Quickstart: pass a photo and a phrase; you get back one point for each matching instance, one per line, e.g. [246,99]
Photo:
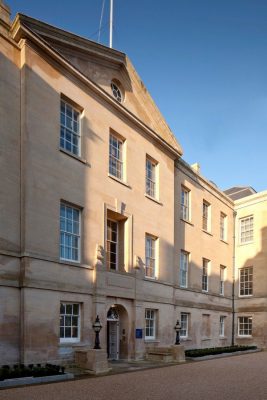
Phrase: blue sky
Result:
[204,63]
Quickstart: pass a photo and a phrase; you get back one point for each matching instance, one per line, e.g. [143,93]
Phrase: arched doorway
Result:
[117,332]
[113,333]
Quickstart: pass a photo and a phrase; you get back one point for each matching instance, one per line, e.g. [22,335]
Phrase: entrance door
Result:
[113,340]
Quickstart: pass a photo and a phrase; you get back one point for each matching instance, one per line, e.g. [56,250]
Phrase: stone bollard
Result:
[178,353]
[95,361]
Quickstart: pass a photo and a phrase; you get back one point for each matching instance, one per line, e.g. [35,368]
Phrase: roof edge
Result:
[214,187]
[21,31]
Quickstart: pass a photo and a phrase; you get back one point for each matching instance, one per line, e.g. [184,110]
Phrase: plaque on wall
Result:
[138,333]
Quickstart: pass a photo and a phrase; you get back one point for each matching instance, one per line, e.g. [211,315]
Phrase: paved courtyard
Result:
[239,377]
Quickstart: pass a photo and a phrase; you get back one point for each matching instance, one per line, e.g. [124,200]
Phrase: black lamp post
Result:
[177,329]
[97,328]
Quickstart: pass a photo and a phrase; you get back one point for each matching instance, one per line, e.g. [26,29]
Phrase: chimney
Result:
[196,167]
[5,22]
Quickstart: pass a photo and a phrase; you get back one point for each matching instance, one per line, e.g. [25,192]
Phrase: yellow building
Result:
[250,266]
[99,214]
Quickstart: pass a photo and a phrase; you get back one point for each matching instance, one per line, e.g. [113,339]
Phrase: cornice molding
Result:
[71,40]
[19,31]
[192,174]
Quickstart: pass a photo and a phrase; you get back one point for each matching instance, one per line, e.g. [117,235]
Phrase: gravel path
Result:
[240,377]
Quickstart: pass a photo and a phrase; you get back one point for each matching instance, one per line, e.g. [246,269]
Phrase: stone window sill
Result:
[78,158]
[119,181]
[186,339]
[152,341]
[207,232]
[68,344]
[245,337]
[187,222]
[119,272]
[151,279]
[75,264]
[153,199]
[245,244]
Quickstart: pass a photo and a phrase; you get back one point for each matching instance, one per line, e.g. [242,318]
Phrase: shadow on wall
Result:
[35,230]
[9,207]
[203,307]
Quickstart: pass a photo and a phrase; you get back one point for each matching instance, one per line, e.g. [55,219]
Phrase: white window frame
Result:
[222,326]
[109,241]
[222,279]
[70,127]
[70,234]
[185,203]
[184,325]
[184,264]
[116,91]
[116,156]
[245,324]
[77,326]
[151,178]
[206,216]
[150,323]
[246,281]
[246,229]
[151,244]
[205,274]
[223,227]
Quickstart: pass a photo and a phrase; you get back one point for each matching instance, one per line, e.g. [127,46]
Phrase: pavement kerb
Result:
[140,365]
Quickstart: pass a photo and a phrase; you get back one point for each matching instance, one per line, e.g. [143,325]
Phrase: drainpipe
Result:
[233,282]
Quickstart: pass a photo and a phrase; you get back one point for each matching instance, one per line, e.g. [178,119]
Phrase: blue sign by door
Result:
[138,333]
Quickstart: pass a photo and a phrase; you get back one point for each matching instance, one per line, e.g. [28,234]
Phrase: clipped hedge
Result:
[22,371]
[217,350]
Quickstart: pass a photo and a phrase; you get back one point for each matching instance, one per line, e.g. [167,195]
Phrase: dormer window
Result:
[117,92]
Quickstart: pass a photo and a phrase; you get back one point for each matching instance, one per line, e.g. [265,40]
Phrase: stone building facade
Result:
[250,271]
[100,215]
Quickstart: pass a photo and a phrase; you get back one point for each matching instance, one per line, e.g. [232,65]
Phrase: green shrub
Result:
[20,371]
[217,350]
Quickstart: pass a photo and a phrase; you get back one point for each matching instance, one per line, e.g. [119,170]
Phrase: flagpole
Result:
[111,24]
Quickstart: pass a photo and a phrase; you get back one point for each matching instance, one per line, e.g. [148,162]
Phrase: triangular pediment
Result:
[103,65]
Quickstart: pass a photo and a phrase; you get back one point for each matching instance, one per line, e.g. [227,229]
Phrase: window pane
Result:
[246,229]
[62,107]
[69,309]
[70,128]
[69,321]
[150,324]
[115,157]
[74,332]
[150,178]
[150,256]
[68,332]
[246,281]
[112,244]
[62,308]
[69,233]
